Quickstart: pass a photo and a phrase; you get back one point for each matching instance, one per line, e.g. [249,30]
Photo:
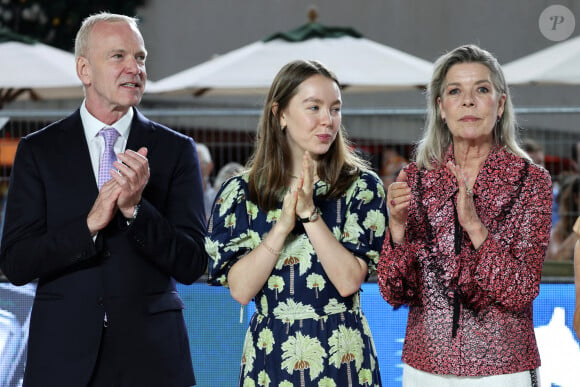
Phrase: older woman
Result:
[563,239]
[469,225]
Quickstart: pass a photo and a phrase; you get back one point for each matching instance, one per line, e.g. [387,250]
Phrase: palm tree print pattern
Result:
[304,333]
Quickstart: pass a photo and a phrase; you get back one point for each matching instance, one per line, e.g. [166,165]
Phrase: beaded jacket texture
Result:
[470,311]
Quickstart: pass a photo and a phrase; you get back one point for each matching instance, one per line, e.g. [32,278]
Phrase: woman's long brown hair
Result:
[270,164]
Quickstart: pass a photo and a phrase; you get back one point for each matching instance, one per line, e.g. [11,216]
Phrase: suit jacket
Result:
[129,272]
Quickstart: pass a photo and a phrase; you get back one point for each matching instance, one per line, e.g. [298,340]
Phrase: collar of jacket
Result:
[497,182]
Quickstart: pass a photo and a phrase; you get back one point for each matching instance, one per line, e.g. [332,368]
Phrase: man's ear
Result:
[84,70]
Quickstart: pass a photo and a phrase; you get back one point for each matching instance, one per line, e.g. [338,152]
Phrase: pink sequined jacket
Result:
[470,311]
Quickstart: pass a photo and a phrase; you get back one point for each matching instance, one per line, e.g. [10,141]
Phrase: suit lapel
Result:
[142,133]
[73,150]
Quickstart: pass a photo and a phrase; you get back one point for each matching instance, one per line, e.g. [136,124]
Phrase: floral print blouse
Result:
[470,311]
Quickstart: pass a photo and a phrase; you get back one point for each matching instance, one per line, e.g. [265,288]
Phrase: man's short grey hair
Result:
[230,169]
[204,154]
[84,33]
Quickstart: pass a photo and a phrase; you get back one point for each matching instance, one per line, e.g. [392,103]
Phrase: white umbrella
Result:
[35,70]
[360,64]
[557,64]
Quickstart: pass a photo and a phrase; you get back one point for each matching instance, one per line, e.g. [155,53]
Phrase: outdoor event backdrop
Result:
[216,334]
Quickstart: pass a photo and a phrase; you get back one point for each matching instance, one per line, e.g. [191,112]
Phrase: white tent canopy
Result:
[557,64]
[36,66]
[360,65]
[36,70]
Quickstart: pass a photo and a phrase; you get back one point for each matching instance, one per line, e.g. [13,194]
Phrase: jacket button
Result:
[107,253]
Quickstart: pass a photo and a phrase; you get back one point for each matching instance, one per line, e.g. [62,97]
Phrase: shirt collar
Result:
[92,125]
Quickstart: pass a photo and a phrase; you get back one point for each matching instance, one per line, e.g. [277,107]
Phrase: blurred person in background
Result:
[206,165]
[576,156]
[468,229]
[299,232]
[391,164]
[229,170]
[535,151]
[563,239]
[104,211]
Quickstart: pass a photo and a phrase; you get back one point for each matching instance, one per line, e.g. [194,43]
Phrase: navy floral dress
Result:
[303,332]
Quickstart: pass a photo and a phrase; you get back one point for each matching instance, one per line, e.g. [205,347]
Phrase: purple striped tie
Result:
[110,135]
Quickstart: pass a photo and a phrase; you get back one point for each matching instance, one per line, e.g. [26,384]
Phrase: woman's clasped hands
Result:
[298,201]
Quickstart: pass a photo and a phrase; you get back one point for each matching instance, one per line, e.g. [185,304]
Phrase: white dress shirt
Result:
[96,142]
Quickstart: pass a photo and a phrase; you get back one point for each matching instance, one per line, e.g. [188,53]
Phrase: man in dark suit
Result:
[106,311]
